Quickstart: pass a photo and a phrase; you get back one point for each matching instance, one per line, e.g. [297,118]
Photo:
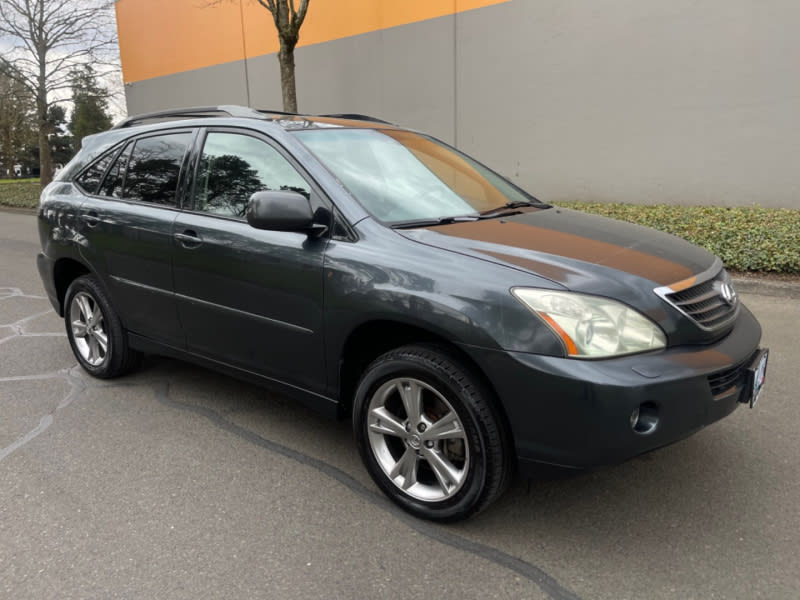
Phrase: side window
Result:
[154,168]
[90,179]
[233,167]
[112,185]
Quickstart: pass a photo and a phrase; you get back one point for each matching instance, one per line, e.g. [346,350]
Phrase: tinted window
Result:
[233,167]
[90,179]
[154,167]
[112,185]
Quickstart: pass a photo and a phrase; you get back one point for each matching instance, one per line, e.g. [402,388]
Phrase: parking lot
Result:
[177,482]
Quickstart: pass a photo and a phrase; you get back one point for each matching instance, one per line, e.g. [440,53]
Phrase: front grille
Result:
[724,381]
[704,302]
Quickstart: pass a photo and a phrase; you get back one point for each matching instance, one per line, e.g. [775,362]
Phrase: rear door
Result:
[248,297]
[128,224]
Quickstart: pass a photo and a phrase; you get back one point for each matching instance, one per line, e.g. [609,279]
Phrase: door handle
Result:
[188,239]
[91,219]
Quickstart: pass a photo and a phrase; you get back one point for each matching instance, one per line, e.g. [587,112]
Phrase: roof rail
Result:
[357,117]
[225,110]
[197,112]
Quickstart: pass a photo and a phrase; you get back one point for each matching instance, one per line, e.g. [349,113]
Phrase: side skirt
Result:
[317,402]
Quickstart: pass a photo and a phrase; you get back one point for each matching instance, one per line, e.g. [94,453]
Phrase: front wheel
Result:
[95,331]
[429,435]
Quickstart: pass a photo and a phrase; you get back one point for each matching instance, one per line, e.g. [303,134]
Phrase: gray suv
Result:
[375,273]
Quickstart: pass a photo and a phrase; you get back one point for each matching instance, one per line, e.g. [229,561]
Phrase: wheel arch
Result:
[65,271]
[373,338]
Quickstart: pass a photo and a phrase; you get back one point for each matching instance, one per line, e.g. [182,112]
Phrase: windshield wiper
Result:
[508,209]
[435,221]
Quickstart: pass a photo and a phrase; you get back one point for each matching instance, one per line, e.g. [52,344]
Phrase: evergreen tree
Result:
[61,142]
[90,112]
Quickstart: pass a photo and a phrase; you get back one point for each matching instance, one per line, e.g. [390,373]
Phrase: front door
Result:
[246,297]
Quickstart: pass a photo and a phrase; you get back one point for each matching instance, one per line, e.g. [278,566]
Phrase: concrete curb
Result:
[766,287]
[18,209]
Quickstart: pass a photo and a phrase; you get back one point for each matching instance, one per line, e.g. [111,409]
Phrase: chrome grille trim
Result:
[701,301]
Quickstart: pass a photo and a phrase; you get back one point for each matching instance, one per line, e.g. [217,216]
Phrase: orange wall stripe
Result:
[162,37]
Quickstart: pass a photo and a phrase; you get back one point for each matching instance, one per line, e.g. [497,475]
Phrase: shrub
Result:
[20,194]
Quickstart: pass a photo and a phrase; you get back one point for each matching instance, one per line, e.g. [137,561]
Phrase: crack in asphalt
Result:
[438,533]
[75,382]
[79,382]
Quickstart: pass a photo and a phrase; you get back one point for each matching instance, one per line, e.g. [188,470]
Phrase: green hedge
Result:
[749,238]
[20,193]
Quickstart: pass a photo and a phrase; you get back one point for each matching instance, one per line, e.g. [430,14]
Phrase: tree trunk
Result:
[45,162]
[288,89]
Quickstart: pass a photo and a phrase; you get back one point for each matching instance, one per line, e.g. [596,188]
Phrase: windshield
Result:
[403,176]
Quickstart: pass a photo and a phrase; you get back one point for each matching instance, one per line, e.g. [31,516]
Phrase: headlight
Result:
[591,326]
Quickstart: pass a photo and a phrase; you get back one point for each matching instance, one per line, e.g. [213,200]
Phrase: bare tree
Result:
[16,122]
[288,21]
[49,39]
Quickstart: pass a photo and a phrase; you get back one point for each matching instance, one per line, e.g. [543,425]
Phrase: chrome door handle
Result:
[188,239]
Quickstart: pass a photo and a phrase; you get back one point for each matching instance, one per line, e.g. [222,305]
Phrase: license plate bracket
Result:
[756,377]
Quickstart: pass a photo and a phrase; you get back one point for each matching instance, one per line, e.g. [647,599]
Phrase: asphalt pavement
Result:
[177,482]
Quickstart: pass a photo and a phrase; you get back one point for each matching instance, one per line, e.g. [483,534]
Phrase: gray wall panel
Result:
[402,74]
[220,84]
[636,100]
[641,101]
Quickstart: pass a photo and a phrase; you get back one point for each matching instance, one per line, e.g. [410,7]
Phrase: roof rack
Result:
[357,117]
[226,110]
[197,112]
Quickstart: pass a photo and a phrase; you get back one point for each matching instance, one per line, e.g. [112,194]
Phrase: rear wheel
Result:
[429,435]
[95,331]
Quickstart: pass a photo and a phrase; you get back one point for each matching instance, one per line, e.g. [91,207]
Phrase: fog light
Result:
[644,418]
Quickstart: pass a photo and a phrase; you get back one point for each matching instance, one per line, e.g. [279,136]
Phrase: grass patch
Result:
[748,238]
[25,180]
[20,193]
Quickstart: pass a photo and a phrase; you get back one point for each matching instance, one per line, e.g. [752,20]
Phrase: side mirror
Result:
[281,211]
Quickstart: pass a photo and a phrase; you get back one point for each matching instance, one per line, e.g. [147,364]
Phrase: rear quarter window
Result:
[89,180]
[154,169]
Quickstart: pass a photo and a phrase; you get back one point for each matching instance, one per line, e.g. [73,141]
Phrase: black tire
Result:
[466,461]
[84,299]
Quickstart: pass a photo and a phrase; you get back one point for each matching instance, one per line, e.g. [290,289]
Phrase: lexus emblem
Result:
[727,292]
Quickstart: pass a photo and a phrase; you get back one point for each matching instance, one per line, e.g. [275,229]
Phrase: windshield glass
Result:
[403,176]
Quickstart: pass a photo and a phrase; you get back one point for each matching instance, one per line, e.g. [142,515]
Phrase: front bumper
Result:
[577,413]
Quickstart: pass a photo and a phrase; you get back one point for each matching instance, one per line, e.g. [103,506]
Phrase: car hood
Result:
[573,249]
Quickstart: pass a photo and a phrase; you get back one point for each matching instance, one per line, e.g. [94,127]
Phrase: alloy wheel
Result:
[88,329]
[418,439]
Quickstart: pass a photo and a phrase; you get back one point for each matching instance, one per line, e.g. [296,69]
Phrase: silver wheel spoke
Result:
[97,318]
[94,350]
[85,308]
[79,329]
[447,427]
[407,467]
[101,338]
[382,421]
[447,475]
[411,394]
